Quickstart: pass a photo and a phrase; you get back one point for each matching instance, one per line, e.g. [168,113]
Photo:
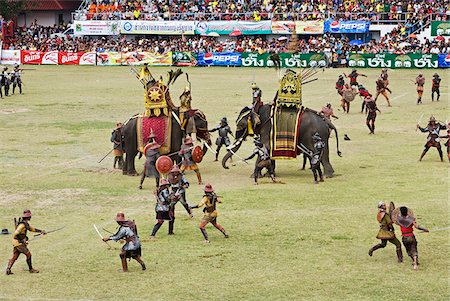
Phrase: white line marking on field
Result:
[401,95]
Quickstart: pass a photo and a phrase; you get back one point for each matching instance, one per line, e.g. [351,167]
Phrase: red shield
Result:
[164,164]
[197,154]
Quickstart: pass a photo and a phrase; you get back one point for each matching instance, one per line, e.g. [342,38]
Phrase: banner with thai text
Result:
[386,60]
[157,27]
[287,60]
[440,28]
[226,27]
[10,57]
[76,58]
[184,59]
[33,57]
[96,28]
[309,27]
[219,59]
[334,26]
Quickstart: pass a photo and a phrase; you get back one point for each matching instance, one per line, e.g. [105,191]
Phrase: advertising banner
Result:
[226,27]
[96,28]
[219,59]
[184,59]
[288,60]
[309,27]
[10,57]
[440,28]
[109,59]
[32,57]
[334,26]
[386,60]
[76,58]
[151,59]
[283,27]
[444,60]
[157,27]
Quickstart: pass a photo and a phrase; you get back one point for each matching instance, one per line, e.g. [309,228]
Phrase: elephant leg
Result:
[327,168]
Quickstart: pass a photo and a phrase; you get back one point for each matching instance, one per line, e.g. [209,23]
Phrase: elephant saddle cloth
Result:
[161,127]
[284,133]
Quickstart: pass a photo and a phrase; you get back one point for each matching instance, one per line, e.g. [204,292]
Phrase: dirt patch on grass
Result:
[13,110]
[43,198]
[101,170]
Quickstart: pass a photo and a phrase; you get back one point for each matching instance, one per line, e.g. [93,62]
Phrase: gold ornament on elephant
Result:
[290,91]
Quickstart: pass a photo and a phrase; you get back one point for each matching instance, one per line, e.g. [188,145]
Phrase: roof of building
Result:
[42,5]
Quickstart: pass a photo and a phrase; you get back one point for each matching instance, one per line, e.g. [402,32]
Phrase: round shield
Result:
[164,164]
[348,95]
[197,154]
[396,215]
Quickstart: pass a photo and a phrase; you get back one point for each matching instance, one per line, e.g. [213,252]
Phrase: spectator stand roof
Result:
[52,5]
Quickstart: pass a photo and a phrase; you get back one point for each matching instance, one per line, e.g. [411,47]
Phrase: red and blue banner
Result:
[334,26]
[219,59]
[444,60]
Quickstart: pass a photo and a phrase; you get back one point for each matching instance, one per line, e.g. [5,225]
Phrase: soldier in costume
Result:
[16,80]
[132,247]
[340,84]
[385,77]
[381,89]
[20,241]
[151,151]
[436,83]
[353,76]
[5,81]
[253,117]
[179,184]
[316,158]
[165,207]
[209,200]
[187,163]
[327,112]
[433,140]
[185,107]
[386,232]
[117,139]
[348,94]
[407,222]
[420,82]
[224,129]
[372,109]
[263,161]
[363,92]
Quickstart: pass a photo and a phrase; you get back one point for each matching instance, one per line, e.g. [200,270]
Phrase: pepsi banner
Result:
[219,59]
[444,60]
[333,26]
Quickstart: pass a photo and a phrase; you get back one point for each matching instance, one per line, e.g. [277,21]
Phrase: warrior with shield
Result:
[404,217]
[165,207]
[132,247]
[348,95]
[436,83]
[381,89]
[20,242]
[188,162]
[151,152]
[179,184]
[386,232]
[223,129]
[433,139]
[420,82]
[117,140]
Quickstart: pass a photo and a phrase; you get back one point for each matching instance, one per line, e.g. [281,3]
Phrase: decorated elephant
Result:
[311,123]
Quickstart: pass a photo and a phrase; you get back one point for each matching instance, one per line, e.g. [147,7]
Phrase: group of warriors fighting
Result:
[8,78]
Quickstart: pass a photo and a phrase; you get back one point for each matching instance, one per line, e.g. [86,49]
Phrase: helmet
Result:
[175,169]
[435,75]
[328,105]
[353,70]
[341,76]
[26,214]
[360,87]
[254,86]
[163,182]
[208,188]
[381,204]
[224,120]
[420,74]
[432,119]
[120,217]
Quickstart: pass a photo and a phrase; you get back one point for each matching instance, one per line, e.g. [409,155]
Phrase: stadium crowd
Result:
[263,9]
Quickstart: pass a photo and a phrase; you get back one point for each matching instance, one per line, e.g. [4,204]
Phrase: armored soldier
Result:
[420,82]
[256,95]
[179,184]
[132,247]
[117,139]
[404,217]
[381,89]
[436,83]
[386,232]
[433,139]
[20,241]
[165,207]
[385,77]
[372,109]
[340,84]
[209,201]
[263,161]
[5,81]
[224,130]
[151,151]
[353,76]
[363,92]
[187,163]
[316,158]
[16,80]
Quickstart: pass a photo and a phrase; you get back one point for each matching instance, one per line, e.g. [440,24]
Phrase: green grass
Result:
[293,241]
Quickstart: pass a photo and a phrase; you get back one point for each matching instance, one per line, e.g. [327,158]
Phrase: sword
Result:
[36,236]
[99,234]
[305,150]
[242,159]
[209,147]
[420,119]
[176,117]
[437,230]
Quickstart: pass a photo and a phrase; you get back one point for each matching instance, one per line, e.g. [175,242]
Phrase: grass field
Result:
[292,241]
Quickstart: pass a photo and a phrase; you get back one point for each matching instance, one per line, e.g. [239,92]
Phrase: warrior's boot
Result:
[217,155]
[199,178]
[138,259]
[374,248]
[422,155]
[399,255]
[30,266]
[115,162]
[155,229]
[370,128]
[171,227]
[373,128]
[221,229]
[419,100]
[205,234]
[8,268]
[124,264]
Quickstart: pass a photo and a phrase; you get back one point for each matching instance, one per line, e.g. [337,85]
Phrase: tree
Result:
[11,8]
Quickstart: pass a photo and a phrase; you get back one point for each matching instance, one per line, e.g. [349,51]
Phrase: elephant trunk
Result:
[230,153]
[337,139]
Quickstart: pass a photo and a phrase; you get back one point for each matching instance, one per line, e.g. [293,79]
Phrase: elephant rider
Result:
[447,144]
[117,139]
[20,241]
[263,160]
[179,184]
[386,232]
[185,108]
[316,157]
[381,89]
[224,129]
[353,76]
[132,247]
[436,83]
[420,82]
[165,207]
[372,109]
[209,200]
[187,163]
[16,80]
[407,223]
[340,84]
[433,139]
[151,151]
[363,92]
[385,77]
[327,112]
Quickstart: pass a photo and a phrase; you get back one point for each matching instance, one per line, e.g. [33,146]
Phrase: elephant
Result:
[310,124]
[177,135]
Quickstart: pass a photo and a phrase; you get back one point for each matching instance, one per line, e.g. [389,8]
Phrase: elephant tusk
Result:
[176,118]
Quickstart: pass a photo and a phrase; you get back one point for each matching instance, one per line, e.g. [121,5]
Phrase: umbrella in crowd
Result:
[356,42]
[213,34]
[236,33]
[404,44]
[440,38]
[282,38]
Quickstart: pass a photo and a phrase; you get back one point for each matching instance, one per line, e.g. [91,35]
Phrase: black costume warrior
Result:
[436,83]
[372,109]
[224,130]
[16,80]
[263,161]
[165,207]
[433,140]
[316,158]
[151,152]
[4,81]
[179,185]
[117,139]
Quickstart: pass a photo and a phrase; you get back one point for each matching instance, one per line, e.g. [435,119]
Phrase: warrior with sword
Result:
[151,152]
[264,161]
[179,184]
[223,129]
[165,207]
[433,140]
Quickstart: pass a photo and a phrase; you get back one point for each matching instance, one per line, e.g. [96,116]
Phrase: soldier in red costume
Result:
[353,76]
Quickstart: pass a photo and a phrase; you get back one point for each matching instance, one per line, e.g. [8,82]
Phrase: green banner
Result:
[386,60]
[288,60]
[440,28]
